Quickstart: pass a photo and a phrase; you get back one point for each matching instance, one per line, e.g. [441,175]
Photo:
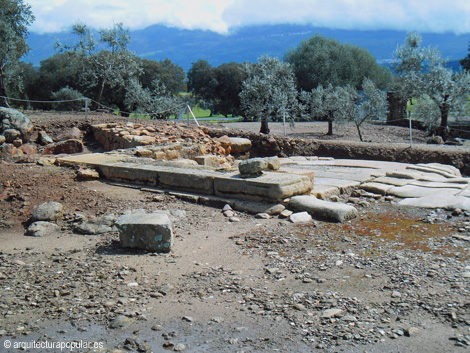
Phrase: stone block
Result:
[209,160]
[274,163]
[186,179]
[159,155]
[239,145]
[376,188]
[333,211]
[150,231]
[172,154]
[267,187]
[253,166]
[127,172]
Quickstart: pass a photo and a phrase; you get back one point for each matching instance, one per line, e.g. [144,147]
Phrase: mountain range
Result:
[184,47]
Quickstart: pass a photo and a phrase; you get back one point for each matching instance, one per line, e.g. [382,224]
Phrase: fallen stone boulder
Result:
[13,119]
[11,135]
[42,229]
[252,167]
[300,217]
[67,147]
[71,134]
[47,211]
[43,138]
[240,145]
[150,231]
[28,149]
[259,207]
[332,211]
[96,226]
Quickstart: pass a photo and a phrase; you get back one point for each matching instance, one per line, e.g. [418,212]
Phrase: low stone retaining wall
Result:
[268,145]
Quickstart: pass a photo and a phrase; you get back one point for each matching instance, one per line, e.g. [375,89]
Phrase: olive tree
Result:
[268,91]
[422,73]
[330,104]
[111,67]
[15,17]
[371,105]
[154,100]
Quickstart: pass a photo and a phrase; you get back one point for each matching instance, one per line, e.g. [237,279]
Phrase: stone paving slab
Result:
[413,191]
[428,184]
[393,181]
[377,188]
[439,201]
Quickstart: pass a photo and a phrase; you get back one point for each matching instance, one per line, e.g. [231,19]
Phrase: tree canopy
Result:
[269,91]
[110,67]
[322,61]
[422,73]
[15,18]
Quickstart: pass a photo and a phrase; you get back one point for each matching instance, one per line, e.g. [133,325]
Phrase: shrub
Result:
[70,97]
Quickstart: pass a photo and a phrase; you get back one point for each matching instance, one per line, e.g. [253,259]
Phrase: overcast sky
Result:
[223,15]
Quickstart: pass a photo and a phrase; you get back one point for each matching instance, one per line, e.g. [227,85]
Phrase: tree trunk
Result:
[3,92]
[443,129]
[396,108]
[264,126]
[358,126]
[101,93]
[330,127]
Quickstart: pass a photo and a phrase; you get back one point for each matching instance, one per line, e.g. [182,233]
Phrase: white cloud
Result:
[221,15]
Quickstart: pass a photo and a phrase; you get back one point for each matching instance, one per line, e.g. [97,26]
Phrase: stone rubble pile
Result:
[19,141]
[130,135]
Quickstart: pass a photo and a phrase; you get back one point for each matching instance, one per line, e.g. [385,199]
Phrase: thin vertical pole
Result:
[187,113]
[284,121]
[411,131]
[86,109]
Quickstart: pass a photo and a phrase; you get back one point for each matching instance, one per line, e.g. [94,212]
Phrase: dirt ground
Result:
[391,280]
[377,133]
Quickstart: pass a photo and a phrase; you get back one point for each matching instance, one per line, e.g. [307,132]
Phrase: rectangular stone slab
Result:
[269,186]
[150,231]
[187,179]
[128,172]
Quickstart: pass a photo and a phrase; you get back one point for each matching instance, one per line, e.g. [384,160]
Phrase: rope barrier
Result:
[172,108]
[34,101]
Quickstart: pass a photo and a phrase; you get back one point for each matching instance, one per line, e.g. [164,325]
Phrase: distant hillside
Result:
[248,43]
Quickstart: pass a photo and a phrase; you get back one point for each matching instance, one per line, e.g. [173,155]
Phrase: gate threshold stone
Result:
[270,186]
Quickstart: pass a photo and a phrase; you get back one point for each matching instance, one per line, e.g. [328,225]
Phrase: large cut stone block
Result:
[334,211]
[150,231]
[267,187]
[186,179]
[128,172]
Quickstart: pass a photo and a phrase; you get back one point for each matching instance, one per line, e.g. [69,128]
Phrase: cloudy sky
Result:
[223,15]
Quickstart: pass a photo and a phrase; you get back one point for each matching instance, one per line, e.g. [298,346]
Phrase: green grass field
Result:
[199,113]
